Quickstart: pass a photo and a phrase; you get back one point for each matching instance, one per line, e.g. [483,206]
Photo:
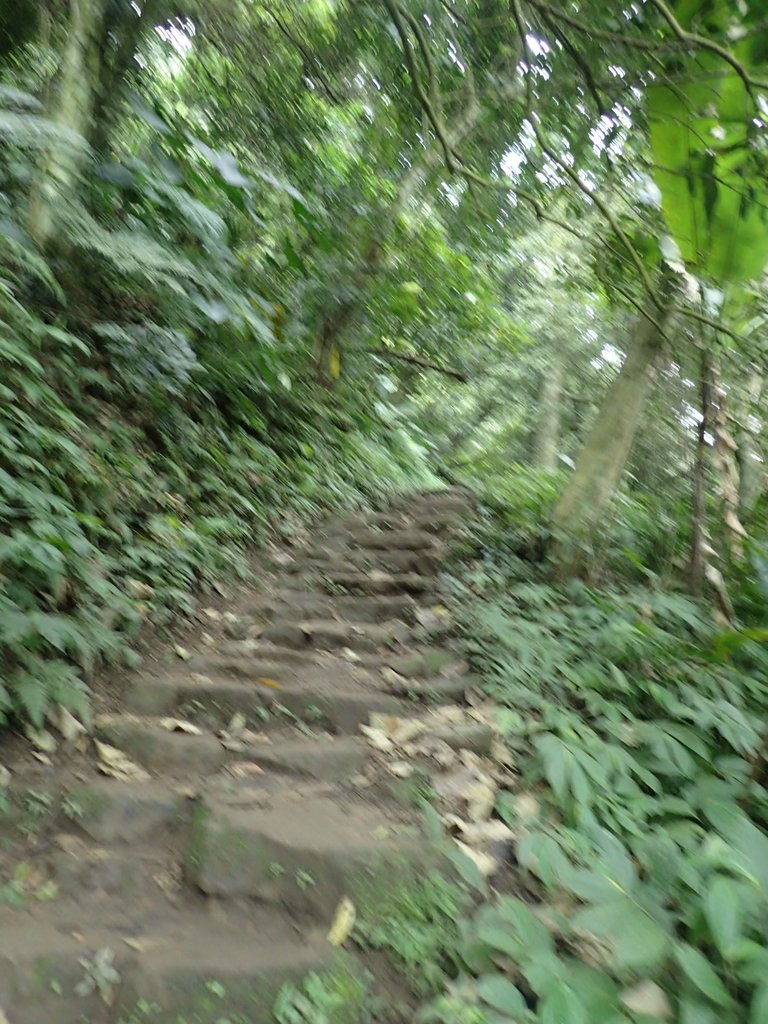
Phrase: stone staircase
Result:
[212,874]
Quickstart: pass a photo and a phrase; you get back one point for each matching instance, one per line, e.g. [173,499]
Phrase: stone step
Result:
[423,663]
[189,965]
[305,854]
[440,690]
[322,605]
[331,759]
[459,498]
[431,517]
[424,563]
[123,812]
[166,753]
[82,869]
[317,704]
[396,539]
[376,582]
[332,634]
[188,756]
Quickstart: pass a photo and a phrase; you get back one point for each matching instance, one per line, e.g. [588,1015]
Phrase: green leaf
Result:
[499,938]
[693,1011]
[724,910]
[637,939]
[468,870]
[501,994]
[561,1005]
[699,970]
[758,1010]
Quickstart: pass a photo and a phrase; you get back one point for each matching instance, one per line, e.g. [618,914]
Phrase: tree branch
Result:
[434,117]
[423,364]
[702,43]
[310,58]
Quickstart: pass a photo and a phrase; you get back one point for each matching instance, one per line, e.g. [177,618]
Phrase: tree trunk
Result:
[698,563]
[584,503]
[750,472]
[727,469]
[342,314]
[547,440]
[72,110]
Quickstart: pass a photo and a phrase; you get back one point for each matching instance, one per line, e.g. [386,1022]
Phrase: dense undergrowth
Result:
[152,428]
[640,808]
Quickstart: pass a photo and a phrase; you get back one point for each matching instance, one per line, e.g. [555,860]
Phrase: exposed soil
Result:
[246,803]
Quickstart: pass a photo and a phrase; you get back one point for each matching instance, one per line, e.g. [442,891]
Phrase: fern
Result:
[133,253]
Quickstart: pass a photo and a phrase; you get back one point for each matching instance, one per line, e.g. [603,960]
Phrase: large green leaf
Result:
[699,970]
[711,172]
[501,994]
[724,907]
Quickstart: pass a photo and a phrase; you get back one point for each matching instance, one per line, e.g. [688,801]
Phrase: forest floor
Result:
[212,836]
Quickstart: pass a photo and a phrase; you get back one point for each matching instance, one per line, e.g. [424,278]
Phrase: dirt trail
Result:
[212,870]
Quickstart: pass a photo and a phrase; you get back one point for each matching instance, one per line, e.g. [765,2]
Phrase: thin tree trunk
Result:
[750,472]
[727,469]
[72,110]
[584,502]
[547,440]
[698,562]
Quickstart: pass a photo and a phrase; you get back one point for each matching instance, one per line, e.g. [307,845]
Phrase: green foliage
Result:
[639,732]
[338,996]
[141,451]
[417,926]
[710,170]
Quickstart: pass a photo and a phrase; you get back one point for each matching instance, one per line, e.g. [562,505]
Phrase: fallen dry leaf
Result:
[212,614]
[140,591]
[42,758]
[399,730]
[244,769]
[118,765]
[647,999]
[237,724]
[349,655]
[401,769]
[449,714]
[167,882]
[41,739]
[179,725]
[69,727]
[454,785]
[377,739]
[407,730]
[433,748]
[481,799]
[5,781]
[343,922]
[272,684]
[486,863]
[394,680]
[235,746]
[526,807]
[140,945]
[182,652]
[481,833]
[501,754]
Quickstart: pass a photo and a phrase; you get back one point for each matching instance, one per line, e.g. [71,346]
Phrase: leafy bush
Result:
[143,447]
[639,729]
[418,928]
